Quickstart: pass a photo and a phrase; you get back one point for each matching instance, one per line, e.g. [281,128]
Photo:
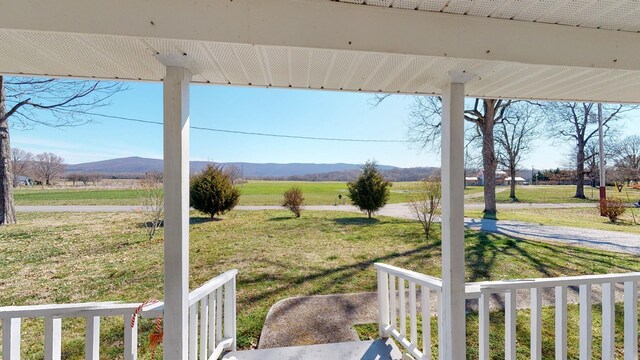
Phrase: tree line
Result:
[42,168]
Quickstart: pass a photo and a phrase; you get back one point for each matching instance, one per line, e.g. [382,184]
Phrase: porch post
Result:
[176,211]
[452,309]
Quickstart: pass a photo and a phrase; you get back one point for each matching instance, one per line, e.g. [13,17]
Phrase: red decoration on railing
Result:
[155,338]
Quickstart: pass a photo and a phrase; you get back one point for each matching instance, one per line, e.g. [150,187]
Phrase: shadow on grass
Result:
[146,224]
[202,219]
[489,216]
[340,274]
[360,221]
[480,257]
[282,218]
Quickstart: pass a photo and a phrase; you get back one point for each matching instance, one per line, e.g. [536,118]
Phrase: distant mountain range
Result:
[135,167]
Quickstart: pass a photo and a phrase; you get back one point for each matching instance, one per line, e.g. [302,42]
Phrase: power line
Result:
[238,132]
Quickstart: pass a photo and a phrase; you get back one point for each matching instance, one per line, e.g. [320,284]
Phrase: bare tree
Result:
[425,124]
[27,102]
[234,173]
[592,159]
[425,205]
[20,163]
[95,179]
[73,177]
[47,167]
[578,122]
[514,137]
[152,199]
[627,158]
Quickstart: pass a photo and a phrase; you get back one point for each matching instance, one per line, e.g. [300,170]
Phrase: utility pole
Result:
[533,176]
[603,184]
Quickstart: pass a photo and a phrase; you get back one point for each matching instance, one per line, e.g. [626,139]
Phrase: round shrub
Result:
[613,208]
[293,200]
[212,191]
[370,191]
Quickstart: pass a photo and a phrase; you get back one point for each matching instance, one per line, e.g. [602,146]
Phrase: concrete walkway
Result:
[319,319]
[598,239]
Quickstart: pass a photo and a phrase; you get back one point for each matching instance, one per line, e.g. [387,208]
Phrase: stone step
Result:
[382,349]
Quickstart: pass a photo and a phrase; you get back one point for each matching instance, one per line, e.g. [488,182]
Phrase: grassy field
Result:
[44,196]
[257,192]
[555,194]
[588,218]
[253,193]
[60,258]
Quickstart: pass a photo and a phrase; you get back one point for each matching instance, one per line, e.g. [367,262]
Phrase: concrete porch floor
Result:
[384,349]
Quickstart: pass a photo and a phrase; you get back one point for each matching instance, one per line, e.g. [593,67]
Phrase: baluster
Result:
[561,323]
[608,322]
[510,318]
[484,325]
[219,315]
[230,314]
[52,338]
[440,324]
[403,307]
[392,301]
[413,321]
[130,338]
[204,317]
[585,322]
[92,338]
[11,338]
[536,323]
[630,321]
[383,303]
[193,331]
[426,322]
[212,324]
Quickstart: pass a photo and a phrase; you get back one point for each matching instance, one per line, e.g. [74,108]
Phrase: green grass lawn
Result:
[45,196]
[67,257]
[555,194]
[254,192]
[588,218]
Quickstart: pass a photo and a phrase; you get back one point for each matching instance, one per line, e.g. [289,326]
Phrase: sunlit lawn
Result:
[61,258]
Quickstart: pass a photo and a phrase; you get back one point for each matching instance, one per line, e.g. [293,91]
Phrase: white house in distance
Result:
[518,180]
[502,178]
[538,50]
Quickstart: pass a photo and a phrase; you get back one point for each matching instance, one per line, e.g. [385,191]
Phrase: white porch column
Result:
[452,309]
[176,210]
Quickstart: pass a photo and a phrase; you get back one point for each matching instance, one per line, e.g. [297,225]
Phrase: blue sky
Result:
[293,112]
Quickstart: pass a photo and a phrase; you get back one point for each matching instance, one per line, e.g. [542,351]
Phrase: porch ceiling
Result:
[322,44]
[619,15]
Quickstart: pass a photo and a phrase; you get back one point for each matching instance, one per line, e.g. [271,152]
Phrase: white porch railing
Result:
[392,304]
[212,317]
[607,285]
[212,322]
[53,314]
